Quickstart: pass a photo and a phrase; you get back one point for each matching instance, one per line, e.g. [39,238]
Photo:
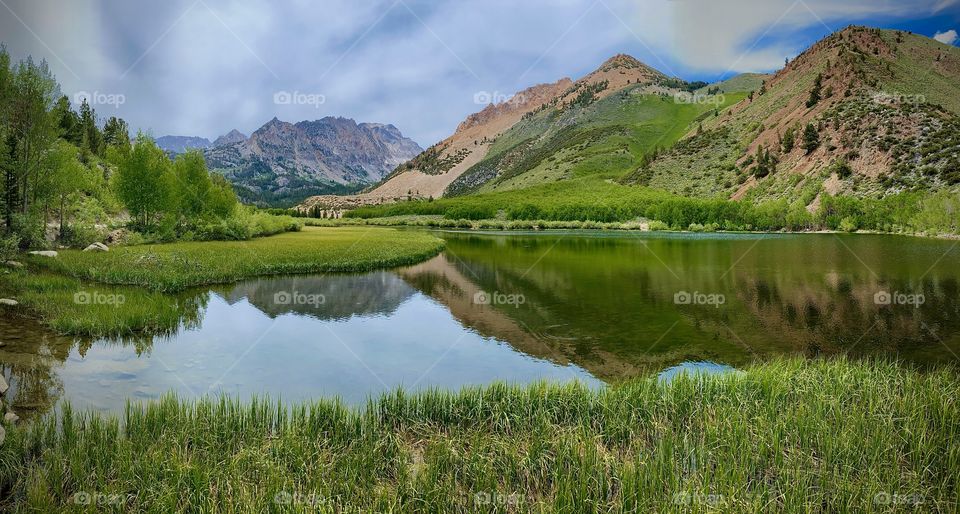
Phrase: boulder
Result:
[3,434]
[44,253]
[13,264]
[9,302]
[3,385]
[96,247]
[116,237]
[11,417]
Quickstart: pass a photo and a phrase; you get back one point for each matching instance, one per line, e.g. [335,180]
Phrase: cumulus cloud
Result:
[948,37]
[204,67]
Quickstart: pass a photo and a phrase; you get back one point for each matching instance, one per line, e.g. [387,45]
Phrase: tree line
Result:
[66,178]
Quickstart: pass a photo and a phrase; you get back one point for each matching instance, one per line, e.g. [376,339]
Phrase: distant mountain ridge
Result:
[179,144]
[283,162]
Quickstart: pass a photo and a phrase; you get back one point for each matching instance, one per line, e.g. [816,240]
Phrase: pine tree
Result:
[815,92]
[788,141]
[92,139]
[811,138]
[116,132]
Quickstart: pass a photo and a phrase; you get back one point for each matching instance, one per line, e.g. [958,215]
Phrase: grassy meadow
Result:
[143,288]
[784,436]
[178,266]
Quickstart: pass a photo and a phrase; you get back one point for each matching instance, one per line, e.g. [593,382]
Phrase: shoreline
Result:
[490,225]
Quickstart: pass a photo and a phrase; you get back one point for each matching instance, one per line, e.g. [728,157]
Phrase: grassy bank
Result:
[141,288]
[793,436]
[177,266]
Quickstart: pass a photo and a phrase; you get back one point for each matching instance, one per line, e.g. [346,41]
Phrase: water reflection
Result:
[694,368]
[594,307]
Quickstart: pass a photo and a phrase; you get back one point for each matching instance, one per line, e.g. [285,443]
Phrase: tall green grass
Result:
[72,306]
[785,436]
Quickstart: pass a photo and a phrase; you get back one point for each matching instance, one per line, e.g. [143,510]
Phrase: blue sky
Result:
[203,67]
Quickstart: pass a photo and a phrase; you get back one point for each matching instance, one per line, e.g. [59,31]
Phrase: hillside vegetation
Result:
[600,138]
[866,113]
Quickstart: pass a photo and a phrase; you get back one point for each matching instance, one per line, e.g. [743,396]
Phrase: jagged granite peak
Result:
[234,136]
[283,160]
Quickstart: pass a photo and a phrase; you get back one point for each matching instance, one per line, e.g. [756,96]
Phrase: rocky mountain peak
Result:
[234,136]
[621,61]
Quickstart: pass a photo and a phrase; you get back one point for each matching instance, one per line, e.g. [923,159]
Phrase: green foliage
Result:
[811,138]
[9,247]
[145,184]
[789,139]
[842,168]
[608,203]
[791,436]
[814,98]
[192,184]
[116,133]
[939,214]
[766,162]
[50,156]
[246,223]
[90,135]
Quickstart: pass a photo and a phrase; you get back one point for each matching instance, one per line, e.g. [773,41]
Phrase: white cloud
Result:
[217,66]
[754,35]
[948,37]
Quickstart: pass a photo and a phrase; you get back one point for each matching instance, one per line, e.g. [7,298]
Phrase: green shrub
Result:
[9,247]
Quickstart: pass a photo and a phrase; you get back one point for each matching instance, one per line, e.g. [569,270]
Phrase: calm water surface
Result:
[595,307]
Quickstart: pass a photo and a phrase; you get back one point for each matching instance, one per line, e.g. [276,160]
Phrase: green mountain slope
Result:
[603,139]
[883,110]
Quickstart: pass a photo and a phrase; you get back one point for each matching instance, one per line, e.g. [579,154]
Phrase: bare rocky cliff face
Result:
[283,162]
